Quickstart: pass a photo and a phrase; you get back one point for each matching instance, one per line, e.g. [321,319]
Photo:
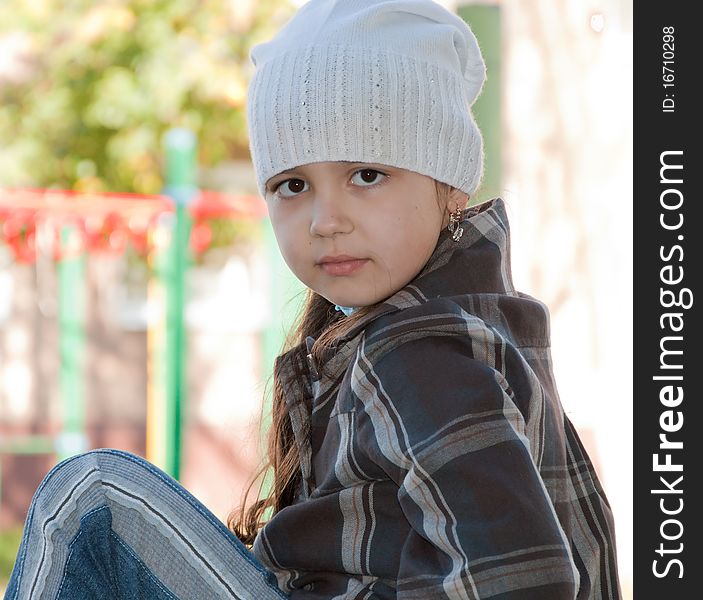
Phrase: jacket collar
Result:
[478,263]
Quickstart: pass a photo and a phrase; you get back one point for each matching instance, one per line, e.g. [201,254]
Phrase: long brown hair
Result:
[318,318]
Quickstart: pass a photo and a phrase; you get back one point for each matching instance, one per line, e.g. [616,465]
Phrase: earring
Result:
[453,226]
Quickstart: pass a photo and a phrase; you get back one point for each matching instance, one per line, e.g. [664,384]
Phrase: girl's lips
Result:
[343,268]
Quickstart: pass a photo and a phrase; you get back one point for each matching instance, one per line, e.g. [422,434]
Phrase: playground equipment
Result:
[167,228]
[167,343]
[171,214]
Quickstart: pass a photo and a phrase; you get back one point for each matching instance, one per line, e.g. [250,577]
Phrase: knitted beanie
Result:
[379,81]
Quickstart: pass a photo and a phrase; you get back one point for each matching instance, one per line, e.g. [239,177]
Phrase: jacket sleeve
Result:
[443,425]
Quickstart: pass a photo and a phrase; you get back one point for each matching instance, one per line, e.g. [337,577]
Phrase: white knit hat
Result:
[378,81]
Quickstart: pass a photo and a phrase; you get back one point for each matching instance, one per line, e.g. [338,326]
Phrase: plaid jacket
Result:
[436,459]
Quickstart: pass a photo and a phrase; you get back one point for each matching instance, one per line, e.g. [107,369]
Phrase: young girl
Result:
[418,445]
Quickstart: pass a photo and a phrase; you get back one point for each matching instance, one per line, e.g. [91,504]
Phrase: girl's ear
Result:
[457,199]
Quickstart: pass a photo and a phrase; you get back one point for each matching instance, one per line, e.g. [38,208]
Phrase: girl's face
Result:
[381,222]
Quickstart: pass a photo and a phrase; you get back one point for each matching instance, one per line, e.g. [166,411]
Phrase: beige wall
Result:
[567,148]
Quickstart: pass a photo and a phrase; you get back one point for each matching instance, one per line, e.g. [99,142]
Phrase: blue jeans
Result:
[109,525]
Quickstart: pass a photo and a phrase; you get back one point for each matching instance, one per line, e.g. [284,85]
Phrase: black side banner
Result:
[668,452]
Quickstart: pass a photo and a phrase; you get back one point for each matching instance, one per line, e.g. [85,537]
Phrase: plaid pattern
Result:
[436,459]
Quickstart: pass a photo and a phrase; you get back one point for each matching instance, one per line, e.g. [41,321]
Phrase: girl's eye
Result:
[367,177]
[291,187]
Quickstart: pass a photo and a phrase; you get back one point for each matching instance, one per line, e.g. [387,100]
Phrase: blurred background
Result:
[142,297]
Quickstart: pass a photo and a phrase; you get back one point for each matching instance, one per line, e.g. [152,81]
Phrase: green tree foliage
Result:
[88,87]
[9,543]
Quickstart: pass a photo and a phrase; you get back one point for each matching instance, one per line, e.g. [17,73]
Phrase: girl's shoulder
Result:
[475,319]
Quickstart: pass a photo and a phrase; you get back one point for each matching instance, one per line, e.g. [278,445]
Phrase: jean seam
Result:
[63,578]
[141,564]
[73,542]
[124,545]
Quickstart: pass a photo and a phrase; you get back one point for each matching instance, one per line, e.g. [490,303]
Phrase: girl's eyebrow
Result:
[369,165]
[277,176]
[377,167]
[286,172]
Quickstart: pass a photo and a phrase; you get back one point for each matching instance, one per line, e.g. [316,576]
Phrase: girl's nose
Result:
[329,217]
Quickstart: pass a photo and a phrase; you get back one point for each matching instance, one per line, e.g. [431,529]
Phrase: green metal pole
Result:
[484,20]
[71,275]
[181,167]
